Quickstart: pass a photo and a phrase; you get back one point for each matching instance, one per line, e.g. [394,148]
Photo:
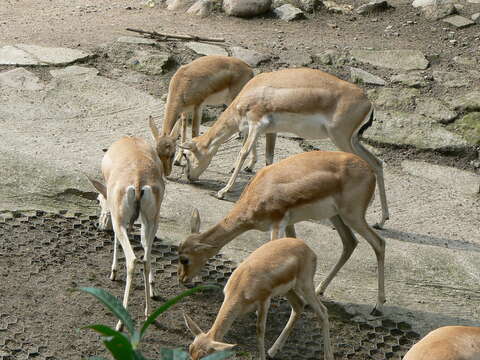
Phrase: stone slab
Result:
[451,79]
[458,21]
[74,70]
[392,59]
[23,54]
[410,79]
[361,76]
[251,57]
[469,101]
[206,49]
[435,109]
[289,12]
[150,63]
[21,79]
[401,128]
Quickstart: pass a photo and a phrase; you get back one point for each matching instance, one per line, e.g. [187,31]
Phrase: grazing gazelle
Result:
[133,188]
[313,185]
[306,102]
[209,80]
[448,343]
[282,267]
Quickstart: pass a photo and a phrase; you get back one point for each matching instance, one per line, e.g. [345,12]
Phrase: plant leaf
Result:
[113,304]
[219,355]
[173,354]
[173,301]
[103,330]
[115,341]
[96,358]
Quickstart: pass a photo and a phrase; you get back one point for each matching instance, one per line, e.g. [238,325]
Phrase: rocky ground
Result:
[422,75]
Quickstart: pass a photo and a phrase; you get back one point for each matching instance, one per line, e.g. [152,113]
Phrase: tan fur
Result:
[284,266]
[311,185]
[132,162]
[190,89]
[314,104]
[448,343]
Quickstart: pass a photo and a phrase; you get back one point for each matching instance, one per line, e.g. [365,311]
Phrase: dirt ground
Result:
[43,256]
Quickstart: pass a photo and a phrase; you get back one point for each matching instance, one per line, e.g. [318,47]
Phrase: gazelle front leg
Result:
[183,138]
[270,140]
[297,307]
[253,134]
[261,325]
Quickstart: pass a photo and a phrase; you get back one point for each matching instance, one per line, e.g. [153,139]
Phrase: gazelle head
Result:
[192,253]
[203,344]
[105,218]
[197,159]
[165,145]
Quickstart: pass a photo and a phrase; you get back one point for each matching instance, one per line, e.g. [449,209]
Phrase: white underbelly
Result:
[308,126]
[218,98]
[322,209]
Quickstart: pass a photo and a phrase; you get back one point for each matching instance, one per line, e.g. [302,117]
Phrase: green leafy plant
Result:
[125,346]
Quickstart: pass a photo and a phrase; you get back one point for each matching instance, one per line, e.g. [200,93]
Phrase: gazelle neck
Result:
[221,131]
[227,314]
[222,233]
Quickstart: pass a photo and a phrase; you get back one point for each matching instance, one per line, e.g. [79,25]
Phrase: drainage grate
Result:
[50,240]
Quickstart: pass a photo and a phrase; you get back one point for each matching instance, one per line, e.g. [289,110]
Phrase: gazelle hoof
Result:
[248,169]
[113,275]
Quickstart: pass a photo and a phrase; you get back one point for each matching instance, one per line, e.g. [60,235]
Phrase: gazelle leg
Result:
[278,229]
[121,233]
[297,307]
[252,138]
[261,324]
[290,231]
[270,140]
[148,234]
[253,159]
[196,120]
[113,274]
[322,313]
[377,166]
[360,225]
[183,137]
[349,243]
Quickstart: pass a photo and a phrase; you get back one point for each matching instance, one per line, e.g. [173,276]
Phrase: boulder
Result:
[295,58]
[332,57]
[363,77]
[422,3]
[373,6]
[22,54]
[179,4]
[435,109]
[251,57]
[393,59]
[246,8]
[306,5]
[202,8]
[289,12]
[21,79]
[206,49]
[398,128]
[476,18]
[437,12]
[465,60]
[410,79]
[332,6]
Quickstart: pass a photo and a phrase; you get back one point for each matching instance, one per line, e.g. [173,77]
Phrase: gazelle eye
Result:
[184,260]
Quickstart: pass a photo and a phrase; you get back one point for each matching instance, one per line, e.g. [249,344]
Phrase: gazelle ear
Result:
[176,129]
[192,326]
[101,188]
[195,222]
[219,346]
[153,127]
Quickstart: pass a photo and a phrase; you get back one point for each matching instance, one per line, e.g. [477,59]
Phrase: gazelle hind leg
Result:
[377,166]
[349,243]
[270,140]
[290,231]
[297,305]
[360,225]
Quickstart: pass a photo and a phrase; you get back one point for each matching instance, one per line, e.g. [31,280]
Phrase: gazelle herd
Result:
[338,186]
